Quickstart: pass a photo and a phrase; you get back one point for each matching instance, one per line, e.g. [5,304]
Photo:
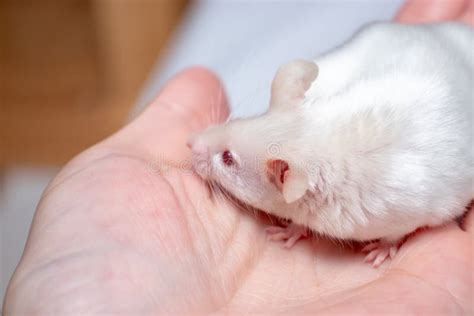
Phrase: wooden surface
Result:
[71,70]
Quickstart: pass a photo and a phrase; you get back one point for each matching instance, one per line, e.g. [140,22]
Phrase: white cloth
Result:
[244,42]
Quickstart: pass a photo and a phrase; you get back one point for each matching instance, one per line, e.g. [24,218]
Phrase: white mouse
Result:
[368,142]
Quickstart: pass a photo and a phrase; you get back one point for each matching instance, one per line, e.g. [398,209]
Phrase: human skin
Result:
[126,228]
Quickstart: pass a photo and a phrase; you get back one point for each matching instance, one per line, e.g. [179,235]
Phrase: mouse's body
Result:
[380,144]
[404,96]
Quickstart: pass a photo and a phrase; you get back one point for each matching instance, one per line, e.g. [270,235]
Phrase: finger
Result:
[467,16]
[422,11]
[189,102]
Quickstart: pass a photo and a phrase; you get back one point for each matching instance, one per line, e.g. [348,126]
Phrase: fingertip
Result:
[422,11]
[198,94]
[193,77]
[189,102]
[468,15]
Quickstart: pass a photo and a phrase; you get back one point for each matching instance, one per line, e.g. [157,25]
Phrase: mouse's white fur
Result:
[381,142]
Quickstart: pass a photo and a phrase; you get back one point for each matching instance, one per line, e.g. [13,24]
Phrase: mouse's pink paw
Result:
[379,251]
[291,234]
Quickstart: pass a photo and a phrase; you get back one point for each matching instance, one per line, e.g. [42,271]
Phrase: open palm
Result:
[127,228]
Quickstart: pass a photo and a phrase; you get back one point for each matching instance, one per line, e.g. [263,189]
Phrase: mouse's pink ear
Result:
[292,184]
[291,82]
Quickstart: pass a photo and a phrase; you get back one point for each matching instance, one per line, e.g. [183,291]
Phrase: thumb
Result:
[192,100]
[189,102]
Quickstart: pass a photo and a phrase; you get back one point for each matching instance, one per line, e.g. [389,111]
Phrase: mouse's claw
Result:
[290,234]
[379,251]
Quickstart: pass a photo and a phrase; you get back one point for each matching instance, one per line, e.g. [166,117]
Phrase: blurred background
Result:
[73,71]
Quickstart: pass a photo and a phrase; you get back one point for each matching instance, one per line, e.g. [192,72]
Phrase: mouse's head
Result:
[253,159]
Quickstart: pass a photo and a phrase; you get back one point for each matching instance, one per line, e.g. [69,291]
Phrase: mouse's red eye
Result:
[227,158]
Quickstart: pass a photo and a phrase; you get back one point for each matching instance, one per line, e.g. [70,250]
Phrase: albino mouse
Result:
[368,142]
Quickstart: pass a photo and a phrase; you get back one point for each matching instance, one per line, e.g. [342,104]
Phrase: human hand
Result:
[127,228]
[119,231]
[423,11]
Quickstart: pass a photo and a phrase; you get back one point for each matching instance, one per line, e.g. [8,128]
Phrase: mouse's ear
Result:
[291,183]
[291,82]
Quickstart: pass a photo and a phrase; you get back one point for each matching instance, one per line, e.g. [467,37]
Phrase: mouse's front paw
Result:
[379,251]
[291,234]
